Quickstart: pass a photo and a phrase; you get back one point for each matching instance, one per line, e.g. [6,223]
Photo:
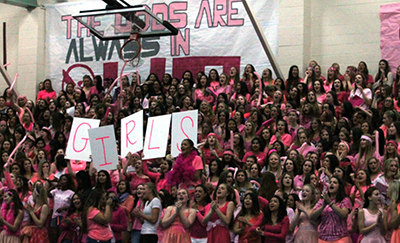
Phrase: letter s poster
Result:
[212,33]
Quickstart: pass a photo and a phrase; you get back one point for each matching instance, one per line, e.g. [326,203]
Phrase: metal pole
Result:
[263,39]
[4,44]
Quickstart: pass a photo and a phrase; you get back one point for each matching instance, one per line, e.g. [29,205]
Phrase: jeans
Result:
[148,238]
[90,240]
[135,236]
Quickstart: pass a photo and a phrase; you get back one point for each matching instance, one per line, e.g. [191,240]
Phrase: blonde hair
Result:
[393,190]
[40,168]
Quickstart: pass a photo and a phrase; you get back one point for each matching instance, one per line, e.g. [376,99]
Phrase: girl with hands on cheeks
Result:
[307,228]
[219,214]
[178,219]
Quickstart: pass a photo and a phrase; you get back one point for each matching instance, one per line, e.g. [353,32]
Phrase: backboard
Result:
[120,23]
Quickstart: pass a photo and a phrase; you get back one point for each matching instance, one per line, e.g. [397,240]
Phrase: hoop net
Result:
[134,61]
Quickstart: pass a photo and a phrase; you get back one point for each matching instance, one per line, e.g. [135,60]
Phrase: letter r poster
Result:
[212,34]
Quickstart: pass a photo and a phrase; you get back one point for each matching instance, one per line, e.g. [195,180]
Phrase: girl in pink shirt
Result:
[95,221]
[48,93]
[201,93]
[282,134]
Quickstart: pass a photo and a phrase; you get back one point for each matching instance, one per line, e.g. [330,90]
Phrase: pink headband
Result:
[333,69]
[271,151]
[366,138]
[293,110]
[211,134]
[345,144]
[22,97]
[346,119]
[228,152]
[392,142]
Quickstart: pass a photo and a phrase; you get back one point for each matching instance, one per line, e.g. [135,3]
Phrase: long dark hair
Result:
[281,211]
[255,209]
[84,182]
[367,194]
[93,200]
[268,185]
[16,200]
[72,207]
[107,184]
[207,197]
[128,187]
[341,193]
[293,81]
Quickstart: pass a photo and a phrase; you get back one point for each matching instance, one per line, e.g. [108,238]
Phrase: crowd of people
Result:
[313,159]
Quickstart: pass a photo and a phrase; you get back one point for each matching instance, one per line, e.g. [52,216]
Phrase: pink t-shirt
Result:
[43,94]
[97,231]
[61,199]
[286,139]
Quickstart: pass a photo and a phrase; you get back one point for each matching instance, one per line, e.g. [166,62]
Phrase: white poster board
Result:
[78,147]
[103,145]
[184,125]
[132,133]
[155,144]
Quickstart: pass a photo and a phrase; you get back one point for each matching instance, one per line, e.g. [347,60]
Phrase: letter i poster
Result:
[103,145]
[212,33]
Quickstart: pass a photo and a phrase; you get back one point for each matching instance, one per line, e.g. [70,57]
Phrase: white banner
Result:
[184,125]
[212,33]
[102,140]
[155,144]
[78,147]
[132,133]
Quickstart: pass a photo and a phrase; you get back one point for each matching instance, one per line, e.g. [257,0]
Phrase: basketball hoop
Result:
[134,37]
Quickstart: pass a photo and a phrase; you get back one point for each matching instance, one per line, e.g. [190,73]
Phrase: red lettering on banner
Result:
[233,11]
[204,7]
[127,133]
[87,139]
[81,26]
[219,10]
[178,42]
[159,9]
[178,20]
[69,19]
[104,150]
[186,117]
[151,135]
